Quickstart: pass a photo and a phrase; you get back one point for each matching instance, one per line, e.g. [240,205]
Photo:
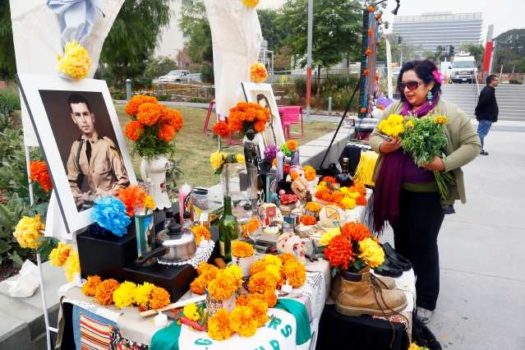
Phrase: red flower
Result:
[166,132]
[38,173]
[221,129]
[355,231]
[134,130]
[339,252]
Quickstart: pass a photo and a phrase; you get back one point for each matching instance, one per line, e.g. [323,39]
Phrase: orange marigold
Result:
[295,273]
[134,130]
[159,298]
[339,252]
[259,126]
[258,73]
[205,267]
[91,284]
[104,291]
[132,196]
[223,286]
[132,107]
[313,207]
[308,220]
[262,282]
[39,174]
[309,173]
[166,132]
[242,249]
[243,322]
[292,145]
[221,129]
[198,285]
[219,325]
[259,310]
[201,232]
[149,113]
[286,258]
[355,231]
[329,179]
[361,200]
[270,297]
[172,117]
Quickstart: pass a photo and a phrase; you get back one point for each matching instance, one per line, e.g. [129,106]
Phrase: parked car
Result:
[463,69]
[173,76]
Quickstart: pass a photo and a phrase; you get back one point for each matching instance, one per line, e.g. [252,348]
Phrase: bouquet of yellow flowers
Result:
[424,138]
[393,126]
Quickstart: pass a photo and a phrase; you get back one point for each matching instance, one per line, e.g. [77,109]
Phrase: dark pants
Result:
[415,237]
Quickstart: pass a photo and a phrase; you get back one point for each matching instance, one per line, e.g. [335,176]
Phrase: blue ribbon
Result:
[76,18]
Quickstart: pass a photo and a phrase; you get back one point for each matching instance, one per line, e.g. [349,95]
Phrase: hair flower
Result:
[437,76]
[110,213]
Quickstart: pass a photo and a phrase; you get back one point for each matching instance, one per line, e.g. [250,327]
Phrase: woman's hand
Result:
[390,145]
[436,165]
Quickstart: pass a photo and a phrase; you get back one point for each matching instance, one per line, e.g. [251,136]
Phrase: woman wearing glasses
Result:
[406,195]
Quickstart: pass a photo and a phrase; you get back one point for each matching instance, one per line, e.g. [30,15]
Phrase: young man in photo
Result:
[93,159]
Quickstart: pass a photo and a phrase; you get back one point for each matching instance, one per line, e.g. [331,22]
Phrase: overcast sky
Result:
[504,14]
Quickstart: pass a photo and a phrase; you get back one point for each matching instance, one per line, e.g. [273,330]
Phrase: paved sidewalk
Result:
[481,303]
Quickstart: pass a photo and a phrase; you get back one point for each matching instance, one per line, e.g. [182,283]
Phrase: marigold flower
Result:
[221,129]
[159,298]
[149,202]
[339,252]
[250,3]
[243,322]
[149,113]
[123,295]
[308,220]
[132,196]
[286,258]
[361,200]
[219,325]
[134,130]
[199,285]
[259,308]
[441,120]
[371,252]
[166,132]
[76,61]
[59,254]
[225,284]
[191,312]
[327,237]
[309,172]
[39,174]
[141,295]
[242,249]
[347,203]
[72,266]
[313,207]
[132,107]
[104,291]
[173,118]
[91,284]
[28,231]
[258,73]
[216,160]
[262,282]
[295,273]
[355,231]
[201,232]
[240,158]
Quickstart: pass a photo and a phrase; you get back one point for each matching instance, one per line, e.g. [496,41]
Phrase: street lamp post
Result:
[309,57]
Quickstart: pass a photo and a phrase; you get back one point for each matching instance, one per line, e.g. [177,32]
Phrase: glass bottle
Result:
[228,230]
[344,178]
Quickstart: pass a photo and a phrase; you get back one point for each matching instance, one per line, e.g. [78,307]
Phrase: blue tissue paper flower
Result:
[110,213]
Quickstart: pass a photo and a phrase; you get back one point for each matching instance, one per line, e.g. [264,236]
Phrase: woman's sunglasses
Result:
[410,85]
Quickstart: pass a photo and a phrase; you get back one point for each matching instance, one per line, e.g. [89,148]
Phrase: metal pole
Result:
[330,105]
[389,68]
[309,57]
[128,89]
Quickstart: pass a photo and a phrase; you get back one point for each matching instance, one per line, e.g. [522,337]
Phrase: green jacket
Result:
[462,147]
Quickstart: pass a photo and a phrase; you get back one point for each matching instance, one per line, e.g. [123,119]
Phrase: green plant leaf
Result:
[4,247]
[16,258]
[46,245]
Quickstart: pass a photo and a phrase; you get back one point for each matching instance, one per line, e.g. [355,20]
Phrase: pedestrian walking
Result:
[487,110]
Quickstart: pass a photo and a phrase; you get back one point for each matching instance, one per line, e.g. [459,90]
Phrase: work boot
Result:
[384,283]
[361,294]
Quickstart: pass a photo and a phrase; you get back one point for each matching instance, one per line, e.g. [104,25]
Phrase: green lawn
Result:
[194,148]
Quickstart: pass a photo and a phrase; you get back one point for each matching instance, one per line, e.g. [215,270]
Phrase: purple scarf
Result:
[387,193]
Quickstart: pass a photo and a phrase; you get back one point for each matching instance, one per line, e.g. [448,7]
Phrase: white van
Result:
[463,69]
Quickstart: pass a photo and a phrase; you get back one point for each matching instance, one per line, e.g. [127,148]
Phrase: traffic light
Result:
[451,51]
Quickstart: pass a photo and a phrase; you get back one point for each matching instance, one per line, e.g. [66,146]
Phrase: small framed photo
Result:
[263,95]
[78,130]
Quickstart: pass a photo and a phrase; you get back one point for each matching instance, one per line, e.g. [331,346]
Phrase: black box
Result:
[104,254]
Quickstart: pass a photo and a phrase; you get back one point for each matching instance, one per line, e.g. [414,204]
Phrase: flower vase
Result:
[244,263]
[213,305]
[153,172]
[144,230]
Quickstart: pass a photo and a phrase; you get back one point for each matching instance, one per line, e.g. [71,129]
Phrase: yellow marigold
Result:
[441,119]
[295,274]
[348,203]
[75,62]
[262,282]
[91,284]
[371,252]
[243,322]
[329,235]
[259,309]
[141,294]
[409,124]
[204,267]
[28,231]
[149,113]
[59,254]
[258,73]
[236,273]
[239,158]
[216,160]
[123,295]
[104,291]
[219,325]
[191,312]
[201,232]
[159,298]
[72,266]
[242,249]
[223,286]
[292,145]
[309,173]
[313,207]
[272,260]
[149,202]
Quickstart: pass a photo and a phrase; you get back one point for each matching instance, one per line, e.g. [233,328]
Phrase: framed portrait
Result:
[263,95]
[79,132]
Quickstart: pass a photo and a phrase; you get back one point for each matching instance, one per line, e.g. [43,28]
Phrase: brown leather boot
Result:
[362,294]
[383,281]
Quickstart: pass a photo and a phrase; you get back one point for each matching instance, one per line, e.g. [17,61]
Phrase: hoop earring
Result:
[429,97]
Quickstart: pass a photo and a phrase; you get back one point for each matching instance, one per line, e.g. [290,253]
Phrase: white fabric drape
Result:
[236,36]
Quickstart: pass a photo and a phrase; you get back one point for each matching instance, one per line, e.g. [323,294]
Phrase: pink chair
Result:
[291,115]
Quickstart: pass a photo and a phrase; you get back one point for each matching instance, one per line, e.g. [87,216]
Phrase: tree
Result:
[510,49]
[7,48]
[336,31]
[271,31]
[133,38]
[159,66]
[476,51]
[195,25]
